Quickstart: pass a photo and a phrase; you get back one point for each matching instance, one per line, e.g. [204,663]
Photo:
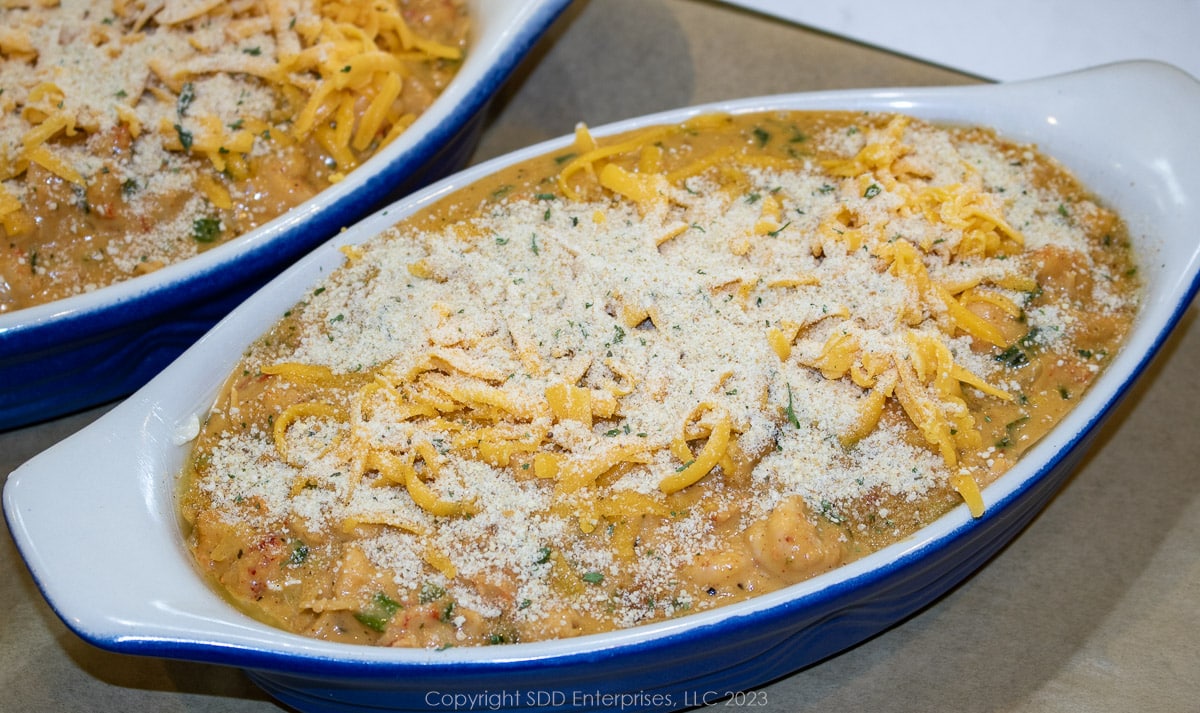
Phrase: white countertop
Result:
[1009,40]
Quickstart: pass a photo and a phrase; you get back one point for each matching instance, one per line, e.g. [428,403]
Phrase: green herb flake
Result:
[593,577]
[777,231]
[299,554]
[1013,356]
[185,137]
[829,512]
[206,229]
[187,95]
[430,592]
[1030,339]
[872,191]
[378,613]
[791,411]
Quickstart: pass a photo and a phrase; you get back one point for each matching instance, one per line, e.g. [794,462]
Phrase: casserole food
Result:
[175,614]
[83,349]
[209,120]
[653,374]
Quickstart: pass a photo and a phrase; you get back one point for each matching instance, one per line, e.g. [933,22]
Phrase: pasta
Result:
[654,374]
[135,134]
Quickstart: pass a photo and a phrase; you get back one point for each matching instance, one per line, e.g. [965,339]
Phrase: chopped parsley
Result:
[430,593]
[187,95]
[777,231]
[185,137]
[790,411]
[1013,356]
[206,229]
[299,554]
[378,613]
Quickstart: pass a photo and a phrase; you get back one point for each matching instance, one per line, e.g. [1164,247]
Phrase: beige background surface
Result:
[1095,607]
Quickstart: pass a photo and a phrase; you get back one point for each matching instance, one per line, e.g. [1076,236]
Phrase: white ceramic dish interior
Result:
[86,349]
[95,516]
